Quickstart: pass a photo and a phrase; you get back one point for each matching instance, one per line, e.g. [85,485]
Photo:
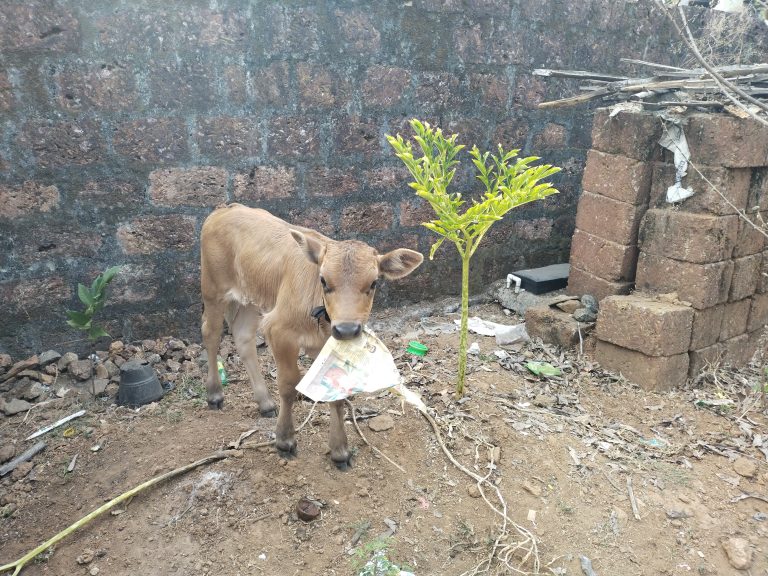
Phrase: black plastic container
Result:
[139,384]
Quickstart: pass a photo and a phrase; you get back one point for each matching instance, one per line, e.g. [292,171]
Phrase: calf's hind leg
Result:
[244,326]
[213,322]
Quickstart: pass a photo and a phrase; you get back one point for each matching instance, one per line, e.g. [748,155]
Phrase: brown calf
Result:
[261,273]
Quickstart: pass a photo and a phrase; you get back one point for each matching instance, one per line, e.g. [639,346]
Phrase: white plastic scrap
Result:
[504,334]
[674,140]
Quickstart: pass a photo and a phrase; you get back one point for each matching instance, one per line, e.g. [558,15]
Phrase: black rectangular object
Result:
[544,279]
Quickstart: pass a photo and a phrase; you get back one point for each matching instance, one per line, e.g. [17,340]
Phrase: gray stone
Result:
[738,552]
[112,368]
[66,360]
[381,423]
[519,302]
[173,366]
[81,369]
[48,357]
[154,358]
[5,362]
[30,391]
[590,302]
[14,406]
[585,315]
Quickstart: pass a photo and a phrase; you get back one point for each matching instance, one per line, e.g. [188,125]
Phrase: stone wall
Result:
[125,123]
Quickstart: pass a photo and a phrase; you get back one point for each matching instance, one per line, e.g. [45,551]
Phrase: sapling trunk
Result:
[464,323]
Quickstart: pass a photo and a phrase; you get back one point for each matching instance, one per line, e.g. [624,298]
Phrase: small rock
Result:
[14,406]
[173,366]
[5,362]
[30,391]
[22,470]
[98,386]
[154,358]
[590,302]
[569,306]
[80,369]
[381,423]
[7,451]
[112,368]
[192,351]
[191,368]
[585,315]
[150,345]
[175,344]
[116,347]
[473,491]
[48,357]
[86,557]
[532,488]
[745,467]
[101,371]
[66,360]
[94,571]
[739,553]
[544,401]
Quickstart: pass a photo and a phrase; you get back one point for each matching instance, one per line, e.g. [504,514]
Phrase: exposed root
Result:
[509,554]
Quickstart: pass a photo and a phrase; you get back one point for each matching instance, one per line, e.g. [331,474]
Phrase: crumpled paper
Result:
[675,141]
[347,367]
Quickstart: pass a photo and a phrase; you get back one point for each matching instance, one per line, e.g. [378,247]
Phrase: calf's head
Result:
[348,273]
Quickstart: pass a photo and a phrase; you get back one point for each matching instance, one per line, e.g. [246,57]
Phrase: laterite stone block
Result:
[722,140]
[608,218]
[734,183]
[735,317]
[629,134]
[746,274]
[581,282]
[617,177]
[703,285]
[649,372]
[694,238]
[707,324]
[603,258]
[649,326]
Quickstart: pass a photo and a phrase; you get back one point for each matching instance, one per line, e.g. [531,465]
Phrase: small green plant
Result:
[509,182]
[93,298]
[371,559]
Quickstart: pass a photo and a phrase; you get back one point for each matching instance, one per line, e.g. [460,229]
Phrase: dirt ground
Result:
[566,448]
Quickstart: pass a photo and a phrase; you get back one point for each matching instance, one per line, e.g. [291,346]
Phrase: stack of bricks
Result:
[699,249]
[616,191]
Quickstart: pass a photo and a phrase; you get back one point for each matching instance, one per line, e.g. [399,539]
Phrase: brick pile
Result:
[629,238]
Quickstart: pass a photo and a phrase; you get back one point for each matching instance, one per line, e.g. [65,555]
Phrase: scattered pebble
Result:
[738,552]
[745,467]
[473,491]
[381,423]
[86,557]
[532,488]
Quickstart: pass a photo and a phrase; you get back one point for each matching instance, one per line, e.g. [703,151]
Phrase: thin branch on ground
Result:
[371,446]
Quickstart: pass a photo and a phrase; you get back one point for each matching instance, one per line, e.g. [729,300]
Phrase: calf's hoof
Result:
[287,451]
[344,464]
[269,412]
[216,404]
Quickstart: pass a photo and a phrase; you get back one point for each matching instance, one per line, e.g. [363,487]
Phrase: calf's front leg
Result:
[340,454]
[286,353]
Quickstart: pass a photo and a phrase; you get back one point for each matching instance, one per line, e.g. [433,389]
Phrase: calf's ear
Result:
[399,263]
[313,249]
